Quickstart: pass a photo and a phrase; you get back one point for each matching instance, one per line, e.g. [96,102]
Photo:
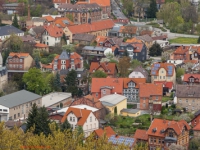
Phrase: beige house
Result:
[188,97]
[17,105]
[97,28]
[114,102]
[130,112]
[163,72]
[57,99]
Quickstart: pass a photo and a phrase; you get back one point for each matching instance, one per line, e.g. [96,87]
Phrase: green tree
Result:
[135,63]
[70,17]
[14,43]
[65,125]
[123,66]
[73,1]
[64,39]
[37,63]
[155,50]
[32,117]
[71,83]
[115,111]
[15,22]
[152,10]
[34,80]
[57,84]
[179,72]
[99,74]
[125,53]
[198,41]
[80,130]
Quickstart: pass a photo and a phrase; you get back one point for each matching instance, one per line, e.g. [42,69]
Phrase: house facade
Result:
[57,3]
[131,89]
[191,78]
[19,109]
[109,68]
[162,133]
[81,13]
[81,117]
[196,119]
[52,35]
[163,72]
[150,96]
[139,72]
[188,97]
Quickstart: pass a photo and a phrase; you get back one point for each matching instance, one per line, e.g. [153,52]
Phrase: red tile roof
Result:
[54,31]
[94,26]
[162,65]
[19,54]
[134,40]
[59,1]
[197,127]
[49,66]
[166,84]
[144,32]
[107,130]
[109,68]
[128,29]
[79,113]
[160,124]
[141,135]
[190,61]
[41,45]
[49,18]
[137,81]
[187,76]
[115,83]
[150,89]
[181,50]
[101,2]
[59,21]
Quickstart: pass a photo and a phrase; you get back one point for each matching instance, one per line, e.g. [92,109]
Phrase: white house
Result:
[4,113]
[6,31]
[52,35]
[138,72]
[81,117]
[162,43]
[175,62]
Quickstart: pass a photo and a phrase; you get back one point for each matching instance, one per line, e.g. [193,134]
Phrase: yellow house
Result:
[163,72]
[114,102]
[130,112]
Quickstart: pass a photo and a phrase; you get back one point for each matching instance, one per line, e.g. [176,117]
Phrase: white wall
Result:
[89,126]
[73,123]
[7,36]
[175,62]
[136,74]
[4,115]
[107,51]
[48,40]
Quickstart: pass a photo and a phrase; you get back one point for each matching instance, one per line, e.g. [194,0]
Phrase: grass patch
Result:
[184,40]
[131,106]
[166,98]
[156,25]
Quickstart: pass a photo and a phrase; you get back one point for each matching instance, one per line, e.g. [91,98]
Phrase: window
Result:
[186,101]
[70,119]
[20,60]
[191,79]
[95,125]
[73,119]
[96,94]
[104,91]
[155,77]
[144,105]
[171,134]
[156,97]
[14,116]
[193,100]
[5,110]
[160,77]
[47,43]
[47,38]
[180,101]
[163,77]
[26,105]
[159,141]
[18,114]
[90,119]
[38,101]
[143,98]
[154,140]
[151,140]
[87,127]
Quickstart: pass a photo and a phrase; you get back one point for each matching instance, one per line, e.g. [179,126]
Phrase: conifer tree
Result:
[31,121]
[57,84]
[15,22]
[151,12]
[65,125]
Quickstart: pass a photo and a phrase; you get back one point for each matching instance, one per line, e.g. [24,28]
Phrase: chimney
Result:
[85,108]
[116,135]
[29,14]
[164,121]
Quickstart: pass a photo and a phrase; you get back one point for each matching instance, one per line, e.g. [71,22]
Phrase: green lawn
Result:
[166,98]
[184,40]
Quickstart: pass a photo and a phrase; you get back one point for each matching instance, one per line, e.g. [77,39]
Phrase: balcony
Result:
[170,140]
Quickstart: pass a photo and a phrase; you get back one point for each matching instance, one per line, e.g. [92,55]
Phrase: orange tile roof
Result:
[41,45]
[19,54]
[115,83]
[137,81]
[79,113]
[76,58]
[107,130]
[94,26]
[133,40]
[197,127]
[101,2]
[187,76]
[165,83]
[150,89]
[160,124]
[100,39]
[144,32]
[128,29]
[141,135]
[181,50]
[54,31]
[59,1]
[49,18]
[190,61]
[109,68]
[49,66]
[59,21]
[161,65]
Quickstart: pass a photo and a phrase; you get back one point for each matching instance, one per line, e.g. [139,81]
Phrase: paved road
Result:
[116,10]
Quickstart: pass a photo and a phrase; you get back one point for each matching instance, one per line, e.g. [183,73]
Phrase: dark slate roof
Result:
[18,98]
[84,37]
[145,38]
[115,41]
[188,91]
[38,29]
[197,113]
[9,29]
[23,127]
[64,56]
[64,72]
[142,70]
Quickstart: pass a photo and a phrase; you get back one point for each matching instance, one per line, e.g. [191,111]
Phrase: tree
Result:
[179,72]
[99,74]
[194,144]
[80,130]
[128,5]
[191,14]
[141,146]
[123,66]
[14,43]
[37,63]
[165,56]
[65,125]
[64,39]
[125,53]
[70,17]
[71,83]
[32,117]
[57,84]
[198,41]
[34,81]
[10,87]
[152,10]
[69,48]
[135,63]
[155,50]
[115,111]
[176,147]
[15,21]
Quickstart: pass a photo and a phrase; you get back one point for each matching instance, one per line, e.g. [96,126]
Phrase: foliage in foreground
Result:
[16,139]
